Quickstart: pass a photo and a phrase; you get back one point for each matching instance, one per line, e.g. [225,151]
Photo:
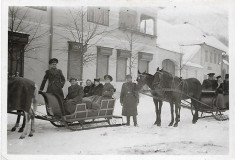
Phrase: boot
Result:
[135,121]
[128,120]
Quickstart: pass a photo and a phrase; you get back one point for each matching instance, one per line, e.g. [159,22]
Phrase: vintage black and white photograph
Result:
[107,79]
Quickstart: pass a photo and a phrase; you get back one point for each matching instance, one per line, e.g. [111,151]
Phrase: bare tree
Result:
[130,39]
[86,33]
[19,22]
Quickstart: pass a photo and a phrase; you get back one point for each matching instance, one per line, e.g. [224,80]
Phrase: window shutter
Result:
[75,61]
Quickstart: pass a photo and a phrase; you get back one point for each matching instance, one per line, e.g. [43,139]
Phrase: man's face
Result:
[97,83]
[107,80]
[88,83]
[219,80]
[129,79]
[211,77]
[73,82]
[53,65]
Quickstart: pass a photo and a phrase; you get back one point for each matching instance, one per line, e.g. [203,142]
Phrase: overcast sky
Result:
[212,20]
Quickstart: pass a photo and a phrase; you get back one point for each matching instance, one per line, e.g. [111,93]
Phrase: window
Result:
[211,57]
[99,15]
[75,63]
[144,59]
[122,57]
[103,54]
[206,56]
[128,19]
[147,25]
[215,57]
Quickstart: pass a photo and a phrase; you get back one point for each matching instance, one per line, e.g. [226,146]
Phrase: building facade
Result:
[90,42]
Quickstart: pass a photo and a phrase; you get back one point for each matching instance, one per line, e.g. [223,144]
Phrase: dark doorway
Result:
[16,48]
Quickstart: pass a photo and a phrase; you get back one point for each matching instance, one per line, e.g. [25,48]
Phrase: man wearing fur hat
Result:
[56,79]
[75,95]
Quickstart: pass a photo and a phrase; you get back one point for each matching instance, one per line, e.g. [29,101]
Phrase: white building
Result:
[190,51]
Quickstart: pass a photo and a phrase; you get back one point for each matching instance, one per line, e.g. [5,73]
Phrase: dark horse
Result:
[148,79]
[174,89]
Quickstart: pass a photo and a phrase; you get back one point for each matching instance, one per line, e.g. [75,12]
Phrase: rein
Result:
[177,91]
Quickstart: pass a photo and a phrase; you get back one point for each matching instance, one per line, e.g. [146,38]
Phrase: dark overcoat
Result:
[56,82]
[209,84]
[129,97]
[75,95]
[86,91]
[96,90]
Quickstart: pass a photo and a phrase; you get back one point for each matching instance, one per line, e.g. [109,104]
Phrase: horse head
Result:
[141,78]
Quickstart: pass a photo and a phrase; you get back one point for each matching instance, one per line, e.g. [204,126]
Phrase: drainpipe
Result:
[51,33]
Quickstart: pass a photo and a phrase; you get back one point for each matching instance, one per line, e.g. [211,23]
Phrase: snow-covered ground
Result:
[208,136]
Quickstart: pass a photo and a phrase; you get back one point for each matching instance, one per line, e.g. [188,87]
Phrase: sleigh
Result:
[82,118]
[207,105]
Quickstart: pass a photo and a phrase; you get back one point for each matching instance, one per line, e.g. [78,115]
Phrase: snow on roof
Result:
[225,62]
[184,34]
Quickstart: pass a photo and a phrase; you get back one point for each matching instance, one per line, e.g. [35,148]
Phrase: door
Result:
[16,48]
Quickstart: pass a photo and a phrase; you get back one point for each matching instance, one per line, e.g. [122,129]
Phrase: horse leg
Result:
[23,124]
[160,112]
[179,114]
[195,116]
[176,114]
[172,114]
[17,122]
[35,102]
[27,126]
[156,110]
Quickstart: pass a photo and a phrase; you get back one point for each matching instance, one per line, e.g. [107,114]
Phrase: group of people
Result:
[93,93]
[220,86]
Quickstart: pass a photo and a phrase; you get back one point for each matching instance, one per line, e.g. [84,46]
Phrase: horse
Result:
[174,89]
[146,78]
[22,93]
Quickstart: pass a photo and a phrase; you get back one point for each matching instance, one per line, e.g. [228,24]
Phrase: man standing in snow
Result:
[129,99]
[55,79]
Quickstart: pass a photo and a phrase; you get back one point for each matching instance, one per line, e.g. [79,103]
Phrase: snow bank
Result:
[208,136]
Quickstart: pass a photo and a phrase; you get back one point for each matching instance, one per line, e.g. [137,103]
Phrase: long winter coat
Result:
[129,98]
[209,85]
[86,91]
[96,90]
[75,95]
[56,82]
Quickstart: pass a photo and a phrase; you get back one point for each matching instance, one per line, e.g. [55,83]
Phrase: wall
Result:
[36,66]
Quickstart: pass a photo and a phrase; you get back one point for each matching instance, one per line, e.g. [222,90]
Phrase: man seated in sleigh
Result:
[74,97]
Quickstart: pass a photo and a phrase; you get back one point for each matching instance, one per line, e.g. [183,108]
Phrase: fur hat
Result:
[109,77]
[53,60]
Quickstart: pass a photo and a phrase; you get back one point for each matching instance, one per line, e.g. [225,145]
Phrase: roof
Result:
[185,34]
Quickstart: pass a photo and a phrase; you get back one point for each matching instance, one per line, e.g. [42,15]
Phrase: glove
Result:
[39,92]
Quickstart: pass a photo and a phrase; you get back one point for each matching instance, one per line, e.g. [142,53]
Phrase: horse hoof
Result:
[175,125]
[30,135]
[170,124]
[22,137]
[21,130]
[159,124]
[13,129]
